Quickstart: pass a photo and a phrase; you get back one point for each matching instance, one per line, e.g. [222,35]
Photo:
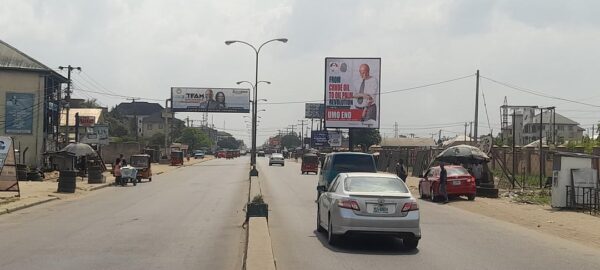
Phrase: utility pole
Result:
[76,127]
[302,132]
[541,157]
[514,154]
[395,129]
[440,135]
[135,117]
[68,97]
[476,106]
[466,131]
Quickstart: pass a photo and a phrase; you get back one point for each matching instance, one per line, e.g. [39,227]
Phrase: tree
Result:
[90,103]
[229,143]
[157,139]
[290,141]
[194,138]
[364,138]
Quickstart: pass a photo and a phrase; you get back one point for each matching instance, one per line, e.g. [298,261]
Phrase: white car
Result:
[375,203]
[276,158]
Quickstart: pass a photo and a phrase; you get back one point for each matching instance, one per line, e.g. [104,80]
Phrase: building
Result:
[527,128]
[88,117]
[30,94]
[148,115]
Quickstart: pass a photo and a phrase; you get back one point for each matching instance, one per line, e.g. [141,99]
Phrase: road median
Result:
[259,252]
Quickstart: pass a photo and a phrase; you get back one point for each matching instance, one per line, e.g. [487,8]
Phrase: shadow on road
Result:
[367,244]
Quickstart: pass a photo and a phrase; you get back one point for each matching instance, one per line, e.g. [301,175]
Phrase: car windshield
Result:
[353,163]
[375,184]
[277,155]
[456,171]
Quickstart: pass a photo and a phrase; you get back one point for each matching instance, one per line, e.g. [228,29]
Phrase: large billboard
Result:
[352,88]
[314,110]
[189,99]
[18,114]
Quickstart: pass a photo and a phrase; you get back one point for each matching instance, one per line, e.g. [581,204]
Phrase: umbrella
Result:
[79,149]
[463,154]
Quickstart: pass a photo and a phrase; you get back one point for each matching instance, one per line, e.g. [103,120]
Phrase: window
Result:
[149,126]
[334,185]
[375,184]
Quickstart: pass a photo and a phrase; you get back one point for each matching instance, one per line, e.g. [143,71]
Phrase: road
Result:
[452,238]
[189,218]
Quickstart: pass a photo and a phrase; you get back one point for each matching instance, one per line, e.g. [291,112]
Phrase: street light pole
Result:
[254,171]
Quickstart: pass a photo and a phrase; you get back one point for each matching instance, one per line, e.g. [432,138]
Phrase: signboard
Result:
[324,138]
[97,134]
[187,99]
[87,121]
[8,166]
[314,110]
[18,114]
[274,142]
[352,88]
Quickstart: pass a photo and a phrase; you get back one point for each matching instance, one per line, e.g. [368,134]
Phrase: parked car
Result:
[341,162]
[276,158]
[260,153]
[377,203]
[460,183]
[198,154]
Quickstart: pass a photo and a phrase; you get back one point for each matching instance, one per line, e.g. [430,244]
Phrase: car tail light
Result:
[410,206]
[349,204]
[470,179]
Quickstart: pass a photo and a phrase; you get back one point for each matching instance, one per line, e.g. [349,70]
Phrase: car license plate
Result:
[373,208]
[456,182]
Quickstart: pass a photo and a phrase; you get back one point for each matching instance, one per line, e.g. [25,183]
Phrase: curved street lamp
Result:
[254,171]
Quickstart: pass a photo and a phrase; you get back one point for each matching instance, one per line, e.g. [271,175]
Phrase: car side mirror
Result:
[321,188]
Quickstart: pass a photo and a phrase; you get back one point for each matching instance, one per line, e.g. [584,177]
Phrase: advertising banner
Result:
[232,100]
[352,88]
[97,134]
[324,138]
[8,165]
[87,121]
[314,110]
[18,114]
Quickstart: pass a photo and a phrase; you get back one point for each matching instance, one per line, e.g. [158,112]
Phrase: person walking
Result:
[443,181]
[117,169]
[400,171]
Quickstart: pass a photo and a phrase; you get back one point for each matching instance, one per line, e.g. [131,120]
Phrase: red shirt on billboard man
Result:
[367,88]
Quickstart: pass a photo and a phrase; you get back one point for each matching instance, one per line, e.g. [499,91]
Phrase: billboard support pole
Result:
[350,140]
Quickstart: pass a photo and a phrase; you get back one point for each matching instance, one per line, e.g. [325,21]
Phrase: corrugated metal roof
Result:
[407,142]
[12,58]
[96,112]
[547,119]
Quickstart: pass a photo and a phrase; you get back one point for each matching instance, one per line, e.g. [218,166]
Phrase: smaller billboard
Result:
[325,138]
[18,115]
[314,110]
[97,134]
[189,99]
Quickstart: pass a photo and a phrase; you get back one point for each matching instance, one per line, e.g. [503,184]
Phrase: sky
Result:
[143,48]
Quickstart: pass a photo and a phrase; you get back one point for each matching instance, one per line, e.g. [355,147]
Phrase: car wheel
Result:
[432,195]
[410,243]
[471,197]
[319,227]
[282,164]
[332,239]
[270,164]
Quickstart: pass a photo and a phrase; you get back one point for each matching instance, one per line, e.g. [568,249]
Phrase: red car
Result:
[460,183]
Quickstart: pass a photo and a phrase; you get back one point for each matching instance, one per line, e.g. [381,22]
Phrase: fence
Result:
[586,199]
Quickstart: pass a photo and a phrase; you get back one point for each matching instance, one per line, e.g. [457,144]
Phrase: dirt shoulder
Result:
[574,226]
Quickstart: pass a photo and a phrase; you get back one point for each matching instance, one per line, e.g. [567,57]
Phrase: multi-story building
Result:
[527,128]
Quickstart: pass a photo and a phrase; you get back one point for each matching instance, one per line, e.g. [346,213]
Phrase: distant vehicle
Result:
[221,154]
[198,154]
[460,183]
[377,203]
[243,152]
[341,162]
[276,158]
[260,153]
[310,163]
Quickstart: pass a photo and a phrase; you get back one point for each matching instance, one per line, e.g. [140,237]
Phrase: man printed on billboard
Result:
[209,102]
[368,87]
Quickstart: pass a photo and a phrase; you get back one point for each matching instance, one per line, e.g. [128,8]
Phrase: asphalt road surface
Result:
[189,218]
[452,238]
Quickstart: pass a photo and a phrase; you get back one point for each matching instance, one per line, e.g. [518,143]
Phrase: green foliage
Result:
[365,138]
[194,138]
[228,143]
[157,139]
[90,103]
[290,141]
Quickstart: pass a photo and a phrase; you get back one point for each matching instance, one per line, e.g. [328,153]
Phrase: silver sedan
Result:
[369,203]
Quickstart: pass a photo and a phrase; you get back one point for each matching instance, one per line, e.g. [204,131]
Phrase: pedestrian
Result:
[117,169]
[400,171]
[443,181]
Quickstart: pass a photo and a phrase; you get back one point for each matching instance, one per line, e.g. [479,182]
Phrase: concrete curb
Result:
[21,207]
[259,254]
[99,186]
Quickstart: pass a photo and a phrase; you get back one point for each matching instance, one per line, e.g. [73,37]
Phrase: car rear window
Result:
[456,171]
[353,163]
[375,184]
